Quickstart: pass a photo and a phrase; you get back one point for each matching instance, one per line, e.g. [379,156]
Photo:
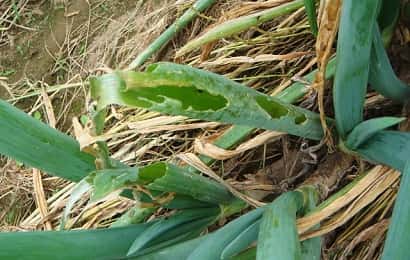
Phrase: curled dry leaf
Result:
[218,153]
[329,23]
[370,233]
[356,197]
[83,136]
[378,186]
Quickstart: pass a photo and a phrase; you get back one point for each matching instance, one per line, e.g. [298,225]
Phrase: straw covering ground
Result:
[204,129]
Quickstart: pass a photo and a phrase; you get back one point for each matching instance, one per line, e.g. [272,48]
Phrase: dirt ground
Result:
[52,47]
[46,46]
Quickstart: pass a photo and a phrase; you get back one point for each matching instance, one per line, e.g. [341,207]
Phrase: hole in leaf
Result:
[152,172]
[275,110]
[300,119]
[198,99]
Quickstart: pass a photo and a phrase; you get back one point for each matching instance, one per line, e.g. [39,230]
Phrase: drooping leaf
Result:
[162,177]
[107,181]
[310,6]
[381,76]
[367,129]
[32,142]
[391,148]
[175,179]
[185,202]
[112,243]
[398,237]
[183,90]
[353,59]
[278,236]
[215,243]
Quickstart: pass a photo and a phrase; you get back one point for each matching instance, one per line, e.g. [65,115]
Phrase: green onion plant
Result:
[268,232]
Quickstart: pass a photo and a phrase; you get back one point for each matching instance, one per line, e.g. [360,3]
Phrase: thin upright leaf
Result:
[382,78]
[398,236]
[310,6]
[353,59]
[278,236]
[388,16]
[171,31]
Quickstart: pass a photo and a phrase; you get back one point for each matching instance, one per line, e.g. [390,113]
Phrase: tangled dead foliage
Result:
[268,58]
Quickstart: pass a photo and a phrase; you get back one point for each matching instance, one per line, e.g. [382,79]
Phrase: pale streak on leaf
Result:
[329,23]
[258,58]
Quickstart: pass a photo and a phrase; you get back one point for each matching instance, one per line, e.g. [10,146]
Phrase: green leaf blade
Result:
[353,59]
[278,237]
[162,177]
[398,237]
[240,24]
[183,90]
[365,130]
[244,240]
[34,143]
[178,251]
[382,78]
[310,6]
[390,148]
[99,244]
[215,243]
[174,226]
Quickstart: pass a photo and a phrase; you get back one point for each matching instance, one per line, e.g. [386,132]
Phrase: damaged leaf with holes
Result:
[160,177]
[182,90]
